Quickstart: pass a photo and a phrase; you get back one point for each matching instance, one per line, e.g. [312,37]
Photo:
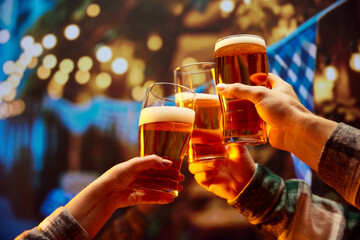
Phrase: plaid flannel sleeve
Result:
[288,210]
[339,164]
[59,225]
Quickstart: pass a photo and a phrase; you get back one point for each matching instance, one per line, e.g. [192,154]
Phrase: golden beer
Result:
[206,139]
[241,59]
[166,132]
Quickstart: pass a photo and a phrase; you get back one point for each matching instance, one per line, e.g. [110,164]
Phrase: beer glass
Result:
[206,139]
[165,127]
[241,59]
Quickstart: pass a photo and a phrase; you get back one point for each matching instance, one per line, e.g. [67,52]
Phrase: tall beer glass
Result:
[206,139]
[241,59]
[165,127]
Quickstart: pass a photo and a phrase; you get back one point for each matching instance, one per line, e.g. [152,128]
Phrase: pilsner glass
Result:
[165,127]
[241,59]
[206,139]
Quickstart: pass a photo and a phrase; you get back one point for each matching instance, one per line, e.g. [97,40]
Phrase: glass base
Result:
[207,158]
[150,187]
[256,139]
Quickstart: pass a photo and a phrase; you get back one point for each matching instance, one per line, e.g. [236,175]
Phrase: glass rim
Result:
[183,67]
[169,83]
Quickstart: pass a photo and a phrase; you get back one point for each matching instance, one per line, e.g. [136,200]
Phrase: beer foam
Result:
[239,39]
[166,114]
[206,96]
[184,96]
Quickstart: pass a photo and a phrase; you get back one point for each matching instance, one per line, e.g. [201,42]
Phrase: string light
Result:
[26,42]
[43,72]
[8,67]
[82,77]
[66,65]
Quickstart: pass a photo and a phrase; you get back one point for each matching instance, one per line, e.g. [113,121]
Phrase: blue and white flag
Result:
[293,59]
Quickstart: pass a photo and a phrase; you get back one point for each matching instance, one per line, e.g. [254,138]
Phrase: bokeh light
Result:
[4,36]
[331,73]
[33,63]
[34,50]
[55,90]
[61,78]
[72,32]
[14,80]
[82,77]
[43,72]
[154,42]
[188,60]
[85,63]
[50,61]
[66,65]
[93,10]
[104,54]
[138,93]
[119,66]
[26,42]
[355,62]
[103,80]
[8,67]
[49,41]
[227,6]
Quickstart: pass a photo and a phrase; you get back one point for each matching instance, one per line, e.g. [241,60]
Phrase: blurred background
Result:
[73,75]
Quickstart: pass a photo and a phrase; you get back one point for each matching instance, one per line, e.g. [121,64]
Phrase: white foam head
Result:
[207,96]
[166,114]
[241,38]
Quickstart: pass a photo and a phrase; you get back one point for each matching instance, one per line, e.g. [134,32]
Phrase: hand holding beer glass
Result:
[241,59]
[206,139]
[165,127]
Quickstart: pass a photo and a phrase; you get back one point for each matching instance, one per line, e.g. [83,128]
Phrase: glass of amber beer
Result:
[241,59]
[165,128]
[206,139]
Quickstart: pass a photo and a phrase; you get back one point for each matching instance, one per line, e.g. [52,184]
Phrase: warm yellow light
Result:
[61,77]
[10,96]
[14,80]
[72,32]
[119,66]
[49,41]
[188,60]
[19,67]
[154,42]
[50,61]
[33,63]
[82,77]
[355,62]
[138,93]
[8,67]
[26,42]
[331,73]
[103,80]
[227,6]
[66,65]
[4,36]
[104,54]
[93,10]
[25,59]
[85,63]
[55,90]
[43,72]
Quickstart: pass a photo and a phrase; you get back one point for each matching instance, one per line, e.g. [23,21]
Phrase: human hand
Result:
[225,177]
[121,177]
[277,105]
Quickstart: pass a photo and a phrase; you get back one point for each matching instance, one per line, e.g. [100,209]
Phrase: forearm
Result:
[307,136]
[92,207]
